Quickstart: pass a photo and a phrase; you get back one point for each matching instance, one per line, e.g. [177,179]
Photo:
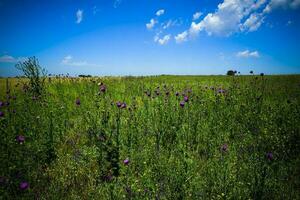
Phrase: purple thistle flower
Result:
[7,103]
[123,105]
[119,104]
[224,148]
[20,139]
[1,104]
[126,161]
[1,114]
[186,98]
[77,102]
[24,185]
[181,104]
[269,156]
[221,91]
[177,94]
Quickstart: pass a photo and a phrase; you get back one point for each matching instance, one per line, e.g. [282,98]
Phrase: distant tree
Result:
[251,72]
[35,73]
[84,76]
[231,73]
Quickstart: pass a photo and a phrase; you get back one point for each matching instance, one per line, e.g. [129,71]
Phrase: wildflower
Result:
[1,114]
[1,104]
[269,156]
[181,104]
[119,104]
[221,91]
[177,94]
[126,161]
[102,87]
[224,148]
[186,98]
[77,102]
[20,139]
[7,103]
[24,185]
[123,105]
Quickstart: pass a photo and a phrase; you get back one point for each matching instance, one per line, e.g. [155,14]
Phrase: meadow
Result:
[155,137]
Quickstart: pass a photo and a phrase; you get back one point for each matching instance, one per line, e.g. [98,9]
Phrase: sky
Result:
[151,37]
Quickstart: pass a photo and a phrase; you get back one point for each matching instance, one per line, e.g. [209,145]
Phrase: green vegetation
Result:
[164,137]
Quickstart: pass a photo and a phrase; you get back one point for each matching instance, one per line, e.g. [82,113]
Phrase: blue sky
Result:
[145,37]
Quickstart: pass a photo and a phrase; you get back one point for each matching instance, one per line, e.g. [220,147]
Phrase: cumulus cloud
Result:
[181,37]
[160,12]
[10,59]
[197,15]
[162,41]
[68,61]
[253,22]
[247,54]
[286,4]
[151,24]
[79,16]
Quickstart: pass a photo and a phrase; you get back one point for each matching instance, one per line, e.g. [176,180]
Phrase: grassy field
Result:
[164,137]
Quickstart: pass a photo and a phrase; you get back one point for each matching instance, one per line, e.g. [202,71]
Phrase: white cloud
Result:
[10,59]
[162,41]
[247,54]
[160,12]
[234,16]
[117,3]
[181,37]
[171,23]
[68,61]
[95,10]
[253,22]
[79,16]
[286,4]
[151,24]
[197,15]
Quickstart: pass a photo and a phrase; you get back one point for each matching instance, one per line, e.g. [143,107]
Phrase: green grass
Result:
[77,151]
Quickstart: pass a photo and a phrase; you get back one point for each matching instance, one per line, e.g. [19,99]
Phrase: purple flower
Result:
[126,161]
[102,87]
[24,185]
[1,114]
[186,98]
[7,103]
[177,94]
[224,148]
[269,156]
[1,104]
[119,104]
[181,104]
[20,139]
[123,105]
[221,91]
[77,102]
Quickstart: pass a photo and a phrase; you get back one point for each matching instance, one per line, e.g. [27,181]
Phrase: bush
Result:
[35,73]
